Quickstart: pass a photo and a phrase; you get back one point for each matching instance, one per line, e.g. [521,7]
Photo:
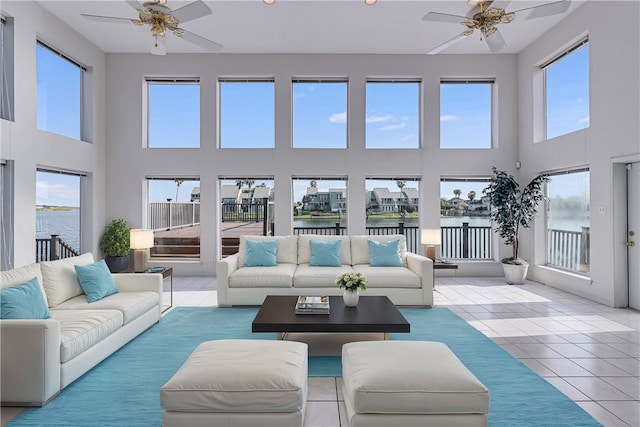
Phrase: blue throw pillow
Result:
[96,280]
[24,301]
[325,254]
[261,253]
[385,254]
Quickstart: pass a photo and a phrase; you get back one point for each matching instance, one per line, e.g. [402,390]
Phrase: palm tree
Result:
[457,192]
[313,183]
[178,184]
[239,183]
[471,195]
[249,183]
[401,185]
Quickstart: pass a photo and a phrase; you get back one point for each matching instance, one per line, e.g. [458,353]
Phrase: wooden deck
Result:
[229,229]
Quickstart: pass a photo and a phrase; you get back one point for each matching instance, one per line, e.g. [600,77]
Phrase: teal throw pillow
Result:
[385,254]
[24,301]
[261,253]
[325,254]
[96,280]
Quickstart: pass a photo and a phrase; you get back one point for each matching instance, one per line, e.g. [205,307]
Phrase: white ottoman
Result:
[238,383]
[410,383]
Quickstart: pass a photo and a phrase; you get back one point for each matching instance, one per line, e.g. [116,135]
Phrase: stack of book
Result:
[312,305]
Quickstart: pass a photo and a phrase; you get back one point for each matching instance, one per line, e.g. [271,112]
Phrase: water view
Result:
[65,223]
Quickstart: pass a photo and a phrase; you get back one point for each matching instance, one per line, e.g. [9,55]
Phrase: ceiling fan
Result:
[161,19]
[486,15]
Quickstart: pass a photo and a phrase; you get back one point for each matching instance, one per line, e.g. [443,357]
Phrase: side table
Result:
[167,273]
[439,265]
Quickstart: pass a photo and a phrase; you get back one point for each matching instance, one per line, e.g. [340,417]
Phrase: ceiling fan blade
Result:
[135,4]
[449,43]
[191,11]
[444,17]
[500,4]
[495,41]
[543,10]
[201,41]
[110,19]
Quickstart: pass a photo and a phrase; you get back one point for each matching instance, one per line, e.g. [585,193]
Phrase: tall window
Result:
[6,215]
[392,207]
[393,114]
[246,208]
[247,114]
[320,206]
[568,224]
[173,113]
[319,114]
[60,92]
[173,213]
[6,68]
[567,91]
[58,206]
[465,113]
[465,220]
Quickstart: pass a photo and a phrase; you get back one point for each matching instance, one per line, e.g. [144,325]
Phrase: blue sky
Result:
[319,115]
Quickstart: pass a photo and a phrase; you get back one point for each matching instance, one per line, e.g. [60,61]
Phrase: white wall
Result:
[128,163]
[614,132]
[31,148]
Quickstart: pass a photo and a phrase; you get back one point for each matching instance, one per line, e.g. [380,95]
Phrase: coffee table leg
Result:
[280,335]
[386,336]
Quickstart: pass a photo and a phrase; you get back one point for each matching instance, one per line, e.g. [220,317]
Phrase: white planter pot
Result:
[515,274]
[351,298]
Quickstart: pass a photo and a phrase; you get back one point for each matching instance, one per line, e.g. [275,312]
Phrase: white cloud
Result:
[393,127]
[448,118]
[379,118]
[338,117]
[584,120]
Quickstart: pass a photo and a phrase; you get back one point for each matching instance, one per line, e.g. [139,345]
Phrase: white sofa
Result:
[237,284]
[40,357]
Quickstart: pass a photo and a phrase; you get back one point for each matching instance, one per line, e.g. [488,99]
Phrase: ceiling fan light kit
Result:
[487,19]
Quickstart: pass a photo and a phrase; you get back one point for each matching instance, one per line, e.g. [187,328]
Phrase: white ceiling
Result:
[306,26]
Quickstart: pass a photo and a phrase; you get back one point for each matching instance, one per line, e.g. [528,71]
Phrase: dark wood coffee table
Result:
[372,314]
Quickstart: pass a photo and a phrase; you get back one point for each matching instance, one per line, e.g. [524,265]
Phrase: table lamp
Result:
[141,241]
[431,237]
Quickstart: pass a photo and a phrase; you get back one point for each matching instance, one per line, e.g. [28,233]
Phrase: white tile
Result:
[629,412]
[322,414]
[628,385]
[597,389]
[322,388]
[570,391]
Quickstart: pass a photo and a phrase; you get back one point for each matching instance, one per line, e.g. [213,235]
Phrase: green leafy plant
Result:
[352,281]
[115,241]
[512,208]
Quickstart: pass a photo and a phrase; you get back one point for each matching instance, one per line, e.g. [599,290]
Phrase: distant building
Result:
[195,194]
[381,199]
[333,200]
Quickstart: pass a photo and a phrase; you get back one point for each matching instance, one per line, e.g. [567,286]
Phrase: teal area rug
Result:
[124,390]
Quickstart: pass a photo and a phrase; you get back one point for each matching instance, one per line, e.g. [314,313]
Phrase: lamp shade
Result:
[141,239]
[430,236]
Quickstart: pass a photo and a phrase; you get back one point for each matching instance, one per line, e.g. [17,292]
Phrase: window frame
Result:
[221,81]
[419,109]
[168,81]
[492,94]
[344,203]
[324,80]
[7,68]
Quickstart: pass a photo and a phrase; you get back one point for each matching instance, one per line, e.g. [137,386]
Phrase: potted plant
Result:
[512,209]
[115,245]
[352,282]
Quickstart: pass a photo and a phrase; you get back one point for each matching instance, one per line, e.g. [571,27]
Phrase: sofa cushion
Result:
[287,248]
[280,276]
[360,247]
[96,280]
[325,254]
[385,254]
[60,280]
[131,304]
[388,277]
[304,247]
[318,277]
[21,275]
[261,253]
[81,329]
[23,301]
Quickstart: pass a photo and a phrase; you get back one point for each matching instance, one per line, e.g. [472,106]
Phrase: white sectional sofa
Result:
[39,357]
[237,284]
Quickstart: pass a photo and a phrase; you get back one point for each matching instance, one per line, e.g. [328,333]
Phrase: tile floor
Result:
[587,350]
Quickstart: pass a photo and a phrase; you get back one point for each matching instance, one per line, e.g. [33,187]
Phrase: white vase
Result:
[351,298]
[515,274]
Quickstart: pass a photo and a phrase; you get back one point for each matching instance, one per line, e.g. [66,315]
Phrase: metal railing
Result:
[569,249]
[466,242]
[171,215]
[53,248]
